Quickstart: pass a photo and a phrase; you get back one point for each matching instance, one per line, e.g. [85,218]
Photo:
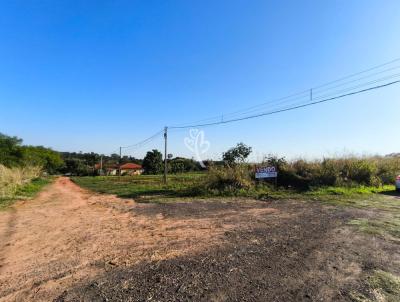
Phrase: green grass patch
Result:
[348,191]
[142,187]
[385,285]
[27,191]
[382,286]
[385,226]
[357,197]
[150,188]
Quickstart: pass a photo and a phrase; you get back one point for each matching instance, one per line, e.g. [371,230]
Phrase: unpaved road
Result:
[72,245]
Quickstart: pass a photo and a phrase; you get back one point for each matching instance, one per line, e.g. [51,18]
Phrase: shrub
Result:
[387,168]
[300,174]
[229,179]
[347,171]
[12,178]
[359,171]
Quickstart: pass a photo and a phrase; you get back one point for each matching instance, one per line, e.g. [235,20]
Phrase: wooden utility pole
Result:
[120,159]
[165,154]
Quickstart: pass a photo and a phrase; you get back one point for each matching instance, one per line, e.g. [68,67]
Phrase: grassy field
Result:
[26,191]
[142,187]
[147,188]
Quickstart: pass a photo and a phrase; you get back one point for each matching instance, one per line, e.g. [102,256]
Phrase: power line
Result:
[359,86]
[304,94]
[290,108]
[314,94]
[290,100]
[311,93]
[144,141]
[357,73]
[355,80]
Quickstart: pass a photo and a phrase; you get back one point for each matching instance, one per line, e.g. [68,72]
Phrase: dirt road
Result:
[72,245]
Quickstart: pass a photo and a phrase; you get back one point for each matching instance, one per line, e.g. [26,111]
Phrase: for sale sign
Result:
[266,172]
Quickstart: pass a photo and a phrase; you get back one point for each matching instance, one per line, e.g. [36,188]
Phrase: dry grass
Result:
[13,178]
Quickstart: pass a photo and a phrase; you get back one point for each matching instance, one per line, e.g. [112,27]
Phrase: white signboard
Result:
[266,172]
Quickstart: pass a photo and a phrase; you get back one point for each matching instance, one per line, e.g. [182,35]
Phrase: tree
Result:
[277,162]
[50,160]
[12,153]
[236,154]
[76,166]
[10,150]
[181,165]
[153,162]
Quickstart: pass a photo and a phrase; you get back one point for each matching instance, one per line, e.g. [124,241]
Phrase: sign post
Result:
[267,172]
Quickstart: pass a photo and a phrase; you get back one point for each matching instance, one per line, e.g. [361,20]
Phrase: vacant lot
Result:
[69,244]
[143,188]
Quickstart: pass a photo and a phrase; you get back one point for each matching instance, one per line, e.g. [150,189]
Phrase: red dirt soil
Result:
[69,244]
[62,236]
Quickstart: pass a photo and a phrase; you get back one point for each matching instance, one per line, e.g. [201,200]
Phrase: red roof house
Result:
[131,169]
[130,166]
[125,169]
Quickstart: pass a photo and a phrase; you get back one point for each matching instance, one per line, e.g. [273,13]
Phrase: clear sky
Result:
[94,75]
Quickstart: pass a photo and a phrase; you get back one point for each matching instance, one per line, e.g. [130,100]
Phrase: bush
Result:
[181,165]
[229,179]
[12,178]
[359,171]
[347,171]
[387,169]
[303,174]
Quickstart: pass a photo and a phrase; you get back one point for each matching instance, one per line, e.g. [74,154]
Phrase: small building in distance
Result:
[131,169]
[113,169]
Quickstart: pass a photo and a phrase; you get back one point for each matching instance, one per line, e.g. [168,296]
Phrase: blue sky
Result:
[94,75]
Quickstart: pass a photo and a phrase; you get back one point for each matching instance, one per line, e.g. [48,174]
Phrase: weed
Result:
[389,226]
[11,179]
[381,286]
[25,191]
[385,285]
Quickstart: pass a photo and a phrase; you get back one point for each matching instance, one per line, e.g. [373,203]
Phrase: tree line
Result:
[14,154]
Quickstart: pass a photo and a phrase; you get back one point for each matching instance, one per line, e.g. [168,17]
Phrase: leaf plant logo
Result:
[197,144]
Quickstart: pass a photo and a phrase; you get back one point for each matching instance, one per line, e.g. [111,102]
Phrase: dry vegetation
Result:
[11,179]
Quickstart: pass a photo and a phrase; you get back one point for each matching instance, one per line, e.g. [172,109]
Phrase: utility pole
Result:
[165,154]
[120,159]
[311,94]
[101,165]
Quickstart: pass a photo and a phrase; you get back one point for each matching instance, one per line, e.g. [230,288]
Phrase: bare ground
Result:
[72,245]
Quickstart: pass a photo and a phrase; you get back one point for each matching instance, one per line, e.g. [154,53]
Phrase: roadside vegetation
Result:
[144,188]
[331,177]
[24,170]
[20,183]
[383,286]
